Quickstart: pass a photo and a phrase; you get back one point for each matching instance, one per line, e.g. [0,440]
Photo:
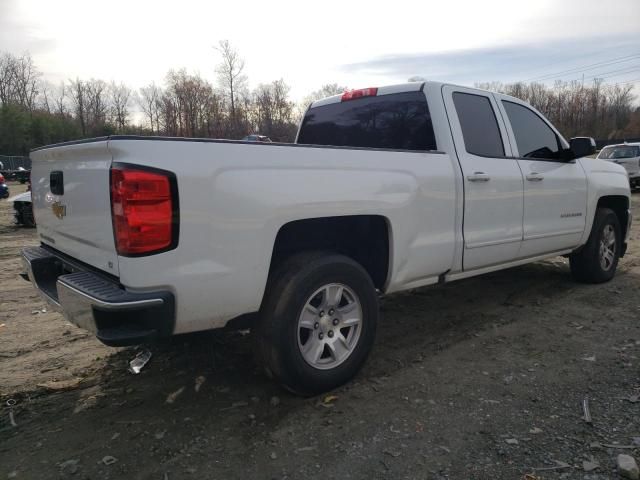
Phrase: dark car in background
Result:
[4,189]
[256,138]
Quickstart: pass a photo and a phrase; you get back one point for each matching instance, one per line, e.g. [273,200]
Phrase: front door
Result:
[493,184]
[555,190]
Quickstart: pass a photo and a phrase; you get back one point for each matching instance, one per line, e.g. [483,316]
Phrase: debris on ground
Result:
[69,467]
[61,385]
[392,453]
[531,476]
[511,441]
[10,404]
[171,398]
[139,361]
[535,431]
[275,401]
[560,465]
[590,465]
[109,460]
[628,467]
[199,382]
[586,411]
[235,405]
[328,400]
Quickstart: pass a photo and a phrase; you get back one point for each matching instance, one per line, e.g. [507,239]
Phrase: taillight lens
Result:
[142,210]
[363,92]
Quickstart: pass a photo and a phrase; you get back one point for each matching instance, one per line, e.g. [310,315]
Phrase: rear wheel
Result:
[597,261]
[317,323]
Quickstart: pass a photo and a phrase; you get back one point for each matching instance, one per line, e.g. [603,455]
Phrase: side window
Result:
[479,125]
[534,137]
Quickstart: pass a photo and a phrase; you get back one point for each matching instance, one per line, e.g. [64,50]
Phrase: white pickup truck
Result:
[386,189]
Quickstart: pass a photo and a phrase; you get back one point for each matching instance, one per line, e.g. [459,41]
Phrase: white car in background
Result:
[627,155]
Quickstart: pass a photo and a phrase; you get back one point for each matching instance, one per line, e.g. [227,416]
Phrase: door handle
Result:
[478,177]
[535,177]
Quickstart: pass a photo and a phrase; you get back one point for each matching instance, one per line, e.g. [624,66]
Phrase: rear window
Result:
[479,125]
[399,121]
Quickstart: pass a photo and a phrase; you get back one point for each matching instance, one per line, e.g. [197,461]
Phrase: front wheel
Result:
[317,322]
[597,261]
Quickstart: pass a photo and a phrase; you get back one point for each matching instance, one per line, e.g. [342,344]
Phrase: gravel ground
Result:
[481,379]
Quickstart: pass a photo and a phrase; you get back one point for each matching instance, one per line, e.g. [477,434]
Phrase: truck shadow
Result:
[413,324]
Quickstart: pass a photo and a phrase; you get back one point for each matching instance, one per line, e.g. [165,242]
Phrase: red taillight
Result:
[1,178]
[363,92]
[142,209]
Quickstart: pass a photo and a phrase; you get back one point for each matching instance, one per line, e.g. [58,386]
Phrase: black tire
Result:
[585,264]
[277,333]
[27,216]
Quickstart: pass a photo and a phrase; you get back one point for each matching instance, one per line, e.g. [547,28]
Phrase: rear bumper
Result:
[99,303]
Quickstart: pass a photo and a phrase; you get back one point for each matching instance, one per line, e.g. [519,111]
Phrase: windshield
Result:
[623,151]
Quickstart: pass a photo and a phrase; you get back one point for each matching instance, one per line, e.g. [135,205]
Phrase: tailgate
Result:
[75,219]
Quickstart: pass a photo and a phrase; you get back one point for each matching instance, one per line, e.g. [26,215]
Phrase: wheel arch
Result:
[620,206]
[367,239]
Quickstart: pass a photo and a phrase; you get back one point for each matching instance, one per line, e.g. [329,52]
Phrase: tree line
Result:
[598,110]
[35,112]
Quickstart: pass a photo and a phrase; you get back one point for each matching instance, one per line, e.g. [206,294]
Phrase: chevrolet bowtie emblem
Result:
[59,210]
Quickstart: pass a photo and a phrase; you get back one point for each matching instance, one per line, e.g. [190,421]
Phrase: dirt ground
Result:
[480,379]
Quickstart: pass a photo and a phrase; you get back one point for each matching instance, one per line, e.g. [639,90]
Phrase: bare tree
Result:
[120,100]
[26,79]
[150,103]
[273,112]
[60,99]
[230,76]
[19,81]
[326,90]
[97,106]
[46,96]
[7,82]
[79,99]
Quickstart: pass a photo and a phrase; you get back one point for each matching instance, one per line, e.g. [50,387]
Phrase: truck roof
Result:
[389,89]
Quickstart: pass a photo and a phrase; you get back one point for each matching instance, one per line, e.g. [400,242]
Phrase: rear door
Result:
[71,202]
[493,182]
[555,190]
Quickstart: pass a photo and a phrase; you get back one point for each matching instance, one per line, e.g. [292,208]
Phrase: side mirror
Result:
[582,146]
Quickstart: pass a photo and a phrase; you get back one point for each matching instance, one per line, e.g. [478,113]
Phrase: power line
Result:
[564,60]
[584,68]
[635,80]
[615,73]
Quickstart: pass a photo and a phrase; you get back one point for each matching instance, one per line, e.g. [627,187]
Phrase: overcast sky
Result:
[354,43]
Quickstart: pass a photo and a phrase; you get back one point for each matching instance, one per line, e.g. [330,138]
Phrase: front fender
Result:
[604,179]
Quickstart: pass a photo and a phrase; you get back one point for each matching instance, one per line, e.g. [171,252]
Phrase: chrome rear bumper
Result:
[96,302]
